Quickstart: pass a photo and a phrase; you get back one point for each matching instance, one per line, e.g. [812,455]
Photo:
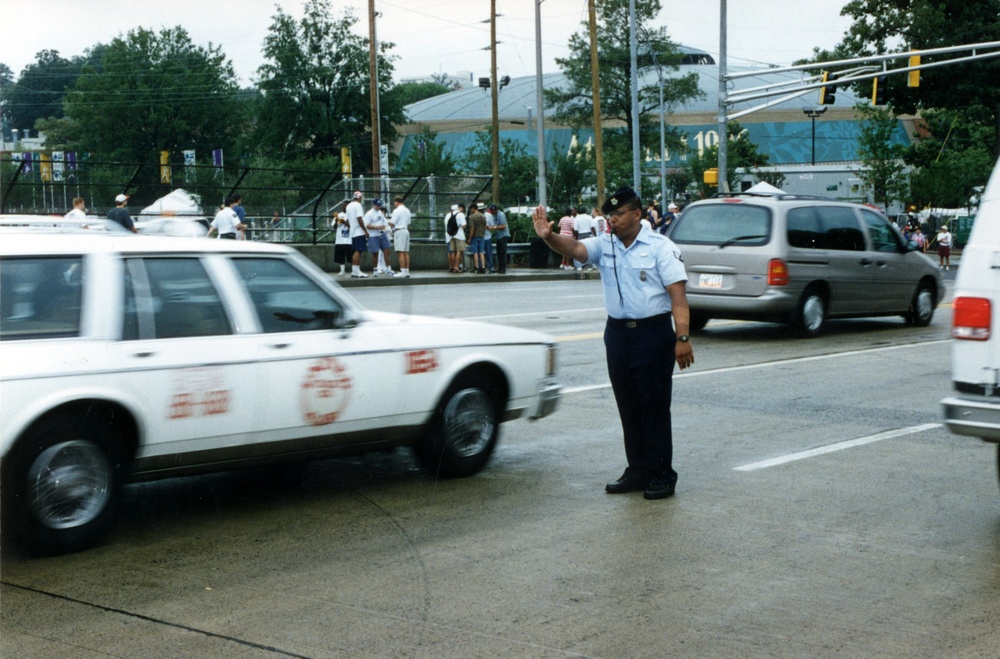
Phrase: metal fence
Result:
[304,199]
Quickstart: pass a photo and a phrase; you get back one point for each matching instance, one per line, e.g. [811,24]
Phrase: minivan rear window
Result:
[723,224]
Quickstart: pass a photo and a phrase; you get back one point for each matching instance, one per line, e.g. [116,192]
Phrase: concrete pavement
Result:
[423,277]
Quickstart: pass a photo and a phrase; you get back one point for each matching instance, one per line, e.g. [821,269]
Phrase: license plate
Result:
[710,281]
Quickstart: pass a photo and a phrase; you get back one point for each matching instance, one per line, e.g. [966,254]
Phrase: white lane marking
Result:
[779,362]
[839,446]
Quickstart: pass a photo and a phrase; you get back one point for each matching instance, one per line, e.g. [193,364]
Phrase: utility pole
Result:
[494,93]
[723,118]
[373,74]
[633,49]
[595,83]
[540,101]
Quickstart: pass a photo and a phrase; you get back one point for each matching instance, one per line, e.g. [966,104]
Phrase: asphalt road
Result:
[822,510]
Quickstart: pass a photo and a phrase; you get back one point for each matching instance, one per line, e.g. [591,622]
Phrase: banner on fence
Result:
[57,166]
[165,167]
[345,160]
[45,168]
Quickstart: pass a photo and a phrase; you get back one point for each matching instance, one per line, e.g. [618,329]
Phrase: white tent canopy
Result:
[178,202]
[764,187]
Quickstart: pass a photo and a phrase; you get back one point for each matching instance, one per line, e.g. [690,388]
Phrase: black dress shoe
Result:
[631,481]
[659,488]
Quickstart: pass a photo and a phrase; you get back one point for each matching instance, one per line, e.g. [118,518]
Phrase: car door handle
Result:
[280,346]
[143,355]
[865,262]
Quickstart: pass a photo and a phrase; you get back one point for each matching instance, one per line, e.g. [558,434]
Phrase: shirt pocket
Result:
[646,268]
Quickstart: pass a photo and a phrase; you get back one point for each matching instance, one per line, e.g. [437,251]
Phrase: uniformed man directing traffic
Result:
[643,278]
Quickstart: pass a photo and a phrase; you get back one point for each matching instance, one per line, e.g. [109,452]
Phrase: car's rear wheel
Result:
[810,318]
[698,321]
[464,431]
[61,485]
[921,306]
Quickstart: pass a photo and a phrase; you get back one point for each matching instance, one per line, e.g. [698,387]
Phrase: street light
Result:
[812,113]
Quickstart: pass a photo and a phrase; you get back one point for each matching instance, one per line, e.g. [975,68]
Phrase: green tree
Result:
[567,175]
[428,157]
[953,158]
[40,89]
[742,154]
[518,170]
[155,92]
[443,79]
[885,26]
[770,176]
[315,87]
[883,168]
[410,92]
[574,102]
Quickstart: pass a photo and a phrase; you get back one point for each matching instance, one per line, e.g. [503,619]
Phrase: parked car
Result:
[126,358]
[790,259]
[974,410]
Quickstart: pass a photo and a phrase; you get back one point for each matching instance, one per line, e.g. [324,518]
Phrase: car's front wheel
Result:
[464,431]
[921,306]
[61,485]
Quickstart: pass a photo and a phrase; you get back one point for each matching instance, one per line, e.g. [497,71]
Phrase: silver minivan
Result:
[974,409]
[800,260]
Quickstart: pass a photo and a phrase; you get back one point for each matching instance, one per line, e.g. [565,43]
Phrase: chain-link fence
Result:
[282,205]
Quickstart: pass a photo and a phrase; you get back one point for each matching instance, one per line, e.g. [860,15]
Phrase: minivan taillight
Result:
[777,273]
[971,319]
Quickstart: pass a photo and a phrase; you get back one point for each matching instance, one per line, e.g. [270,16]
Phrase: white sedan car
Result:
[127,358]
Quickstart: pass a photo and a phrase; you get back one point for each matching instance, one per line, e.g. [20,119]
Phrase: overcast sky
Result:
[431,36]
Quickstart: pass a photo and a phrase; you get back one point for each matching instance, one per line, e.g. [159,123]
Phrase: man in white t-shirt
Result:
[456,243]
[227,223]
[400,224]
[944,248]
[79,211]
[354,213]
[583,225]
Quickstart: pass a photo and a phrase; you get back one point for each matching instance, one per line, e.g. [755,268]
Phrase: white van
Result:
[974,410]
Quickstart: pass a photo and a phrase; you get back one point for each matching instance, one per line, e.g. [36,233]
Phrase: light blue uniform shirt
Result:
[643,271]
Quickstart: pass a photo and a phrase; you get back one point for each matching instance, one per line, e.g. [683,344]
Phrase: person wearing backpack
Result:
[455,233]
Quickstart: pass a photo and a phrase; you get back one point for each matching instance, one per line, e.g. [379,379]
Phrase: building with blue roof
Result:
[783,131]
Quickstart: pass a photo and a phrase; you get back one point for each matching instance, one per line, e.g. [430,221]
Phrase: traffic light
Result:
[879,85]
[914,79]
[711,176]
[828,93]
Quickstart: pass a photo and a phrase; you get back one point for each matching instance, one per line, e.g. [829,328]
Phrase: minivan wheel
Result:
[921,306]
[811,315]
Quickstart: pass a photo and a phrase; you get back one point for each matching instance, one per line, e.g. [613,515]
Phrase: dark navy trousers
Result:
[641,366]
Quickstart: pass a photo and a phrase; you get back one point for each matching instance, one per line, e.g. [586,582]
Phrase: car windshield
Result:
[723,224]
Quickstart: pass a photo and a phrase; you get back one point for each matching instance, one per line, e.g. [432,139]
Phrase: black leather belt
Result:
[633,323]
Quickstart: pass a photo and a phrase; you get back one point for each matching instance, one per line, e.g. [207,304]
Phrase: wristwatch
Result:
[683,338]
